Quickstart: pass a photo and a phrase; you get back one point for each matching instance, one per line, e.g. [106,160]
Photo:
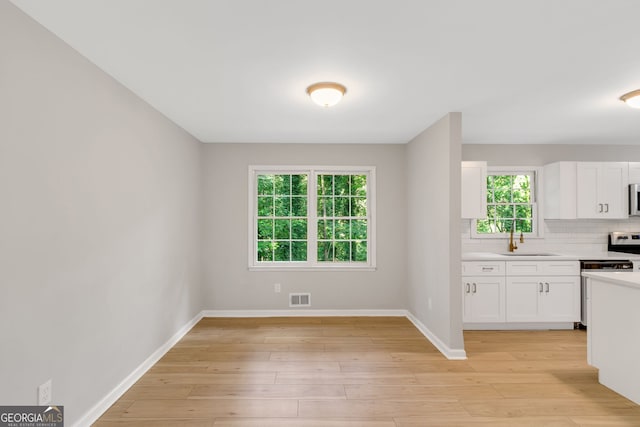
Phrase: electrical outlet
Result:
[44,393]
[277,288]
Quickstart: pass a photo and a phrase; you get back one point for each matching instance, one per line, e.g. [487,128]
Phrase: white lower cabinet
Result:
[561,301]
[518,294]
[483,292]
[543,299]
[483,299]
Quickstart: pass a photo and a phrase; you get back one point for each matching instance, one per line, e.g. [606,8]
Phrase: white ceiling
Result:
[526,71]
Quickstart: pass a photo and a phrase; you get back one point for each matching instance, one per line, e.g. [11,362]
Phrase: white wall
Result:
[433,212]
[230,286]
[566,236]
[99,223]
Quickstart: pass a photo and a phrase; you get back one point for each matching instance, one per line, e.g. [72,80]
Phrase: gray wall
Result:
[433,212]
[99,223]
[537,155]
[230,286]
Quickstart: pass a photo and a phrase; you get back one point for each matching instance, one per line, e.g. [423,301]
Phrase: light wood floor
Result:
[378,372]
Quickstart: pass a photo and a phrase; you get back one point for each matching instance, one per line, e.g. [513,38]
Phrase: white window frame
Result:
[311,264]
[536,194]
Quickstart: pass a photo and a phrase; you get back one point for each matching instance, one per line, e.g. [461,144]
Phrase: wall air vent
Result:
[299,300]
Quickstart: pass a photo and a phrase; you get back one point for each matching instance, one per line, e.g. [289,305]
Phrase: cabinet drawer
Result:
[547,268]
[483,268]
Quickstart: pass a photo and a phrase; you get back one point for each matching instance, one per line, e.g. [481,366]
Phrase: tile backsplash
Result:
[564,236]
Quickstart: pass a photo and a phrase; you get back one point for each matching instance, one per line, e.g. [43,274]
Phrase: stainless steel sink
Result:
[526,254]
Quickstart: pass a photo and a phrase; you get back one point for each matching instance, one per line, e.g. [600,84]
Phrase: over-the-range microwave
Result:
[634,199]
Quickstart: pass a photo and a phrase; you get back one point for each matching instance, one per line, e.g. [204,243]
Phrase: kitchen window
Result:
[311,217]
[511,203]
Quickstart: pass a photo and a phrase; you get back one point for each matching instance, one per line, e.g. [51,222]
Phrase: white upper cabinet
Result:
[586,190]
[602,189]
[474,190]
[634,172]
[560,190]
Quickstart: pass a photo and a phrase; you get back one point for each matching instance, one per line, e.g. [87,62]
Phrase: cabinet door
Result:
[483,268]
[601,189]
[560,301]
[587,203]
[612,192]
[634,173]
[474,190]
[466,299]
[483,299]
[523,299]
[560,190]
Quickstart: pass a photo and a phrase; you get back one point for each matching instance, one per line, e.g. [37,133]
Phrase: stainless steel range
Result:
[624,242]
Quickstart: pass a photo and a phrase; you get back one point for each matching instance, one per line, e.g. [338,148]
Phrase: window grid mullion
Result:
[312,215]
[498,211]
[273,213]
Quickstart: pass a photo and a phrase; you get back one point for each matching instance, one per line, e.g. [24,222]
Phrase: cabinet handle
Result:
[468,287]
[487,268]
[600,206]
[474,288]
[606,207]
[540,283]
[547,285]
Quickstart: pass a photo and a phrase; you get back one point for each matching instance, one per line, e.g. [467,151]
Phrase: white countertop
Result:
[631,280]
[517,256]
[522,256]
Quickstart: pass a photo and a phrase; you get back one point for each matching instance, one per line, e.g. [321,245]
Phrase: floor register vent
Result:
[299,300]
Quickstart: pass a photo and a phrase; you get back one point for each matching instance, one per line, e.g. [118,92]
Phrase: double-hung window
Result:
[311,217]
[511,204]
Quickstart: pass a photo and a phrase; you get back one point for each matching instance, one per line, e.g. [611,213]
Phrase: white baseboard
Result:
[101,407]
[508,326]
[304,313]
[449,353]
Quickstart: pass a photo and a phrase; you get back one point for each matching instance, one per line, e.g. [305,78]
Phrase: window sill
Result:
[312,268]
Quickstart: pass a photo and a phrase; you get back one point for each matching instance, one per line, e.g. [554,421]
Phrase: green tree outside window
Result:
[342,213]
[312,217]
[510,203]
[282,217]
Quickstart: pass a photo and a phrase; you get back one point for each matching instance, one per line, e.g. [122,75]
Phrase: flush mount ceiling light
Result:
[632,98]
[326,94]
